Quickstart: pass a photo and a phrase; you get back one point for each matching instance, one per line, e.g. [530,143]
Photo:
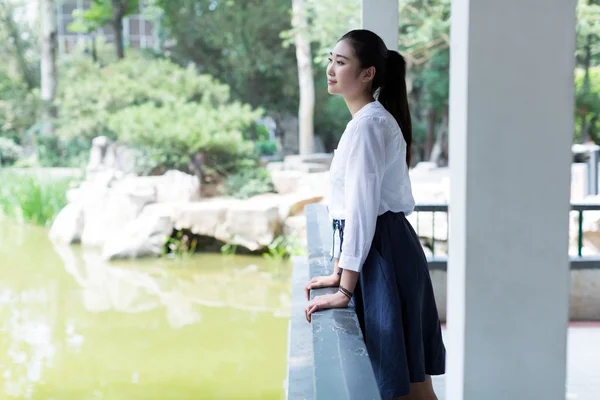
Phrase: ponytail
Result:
[394,96]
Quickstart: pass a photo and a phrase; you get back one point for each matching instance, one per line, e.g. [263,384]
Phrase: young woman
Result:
[379,259]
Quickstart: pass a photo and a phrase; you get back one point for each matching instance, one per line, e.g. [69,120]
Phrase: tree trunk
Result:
[7,15]
[48,46]
[438,148]
[592,126]
[431,117]
[94,50]
[118,11]
[305,78]
[587,63]
[586,85]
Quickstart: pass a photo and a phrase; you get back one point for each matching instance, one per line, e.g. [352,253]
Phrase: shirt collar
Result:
[365,108]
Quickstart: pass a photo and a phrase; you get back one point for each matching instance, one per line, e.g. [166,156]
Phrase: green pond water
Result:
[73,326]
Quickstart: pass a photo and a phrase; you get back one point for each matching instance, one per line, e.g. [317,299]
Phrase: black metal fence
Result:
[578,261]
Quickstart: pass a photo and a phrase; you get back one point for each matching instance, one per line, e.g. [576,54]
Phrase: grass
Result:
[32,198]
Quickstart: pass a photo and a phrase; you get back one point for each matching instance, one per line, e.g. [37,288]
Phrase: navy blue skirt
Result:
[396,308]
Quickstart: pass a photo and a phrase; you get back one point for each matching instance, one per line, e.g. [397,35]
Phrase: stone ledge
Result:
[340,361]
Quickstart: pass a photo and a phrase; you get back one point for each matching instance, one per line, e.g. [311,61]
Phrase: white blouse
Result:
[369,177]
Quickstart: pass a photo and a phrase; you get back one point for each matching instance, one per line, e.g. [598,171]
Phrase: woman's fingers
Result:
[313,284]
[317,304]
[311,309]
[307,290]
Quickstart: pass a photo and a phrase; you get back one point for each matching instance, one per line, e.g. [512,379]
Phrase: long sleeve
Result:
[365,167]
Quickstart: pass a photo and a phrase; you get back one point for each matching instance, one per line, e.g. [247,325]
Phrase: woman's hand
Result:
[321,282]
[335,300]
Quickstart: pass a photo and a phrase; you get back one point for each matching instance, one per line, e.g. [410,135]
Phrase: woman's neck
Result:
[355,104]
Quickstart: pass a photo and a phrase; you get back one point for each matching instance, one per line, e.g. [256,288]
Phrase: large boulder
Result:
[295,227]
[110,200]
[108,209]
[68,225]
[145,236]
[202,217]
[286,181]
[108,155]
[252,223]
[173,185]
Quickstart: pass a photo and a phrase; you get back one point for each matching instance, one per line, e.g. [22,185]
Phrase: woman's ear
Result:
[368,74]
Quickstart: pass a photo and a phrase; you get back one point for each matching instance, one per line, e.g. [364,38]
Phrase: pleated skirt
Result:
[396,308]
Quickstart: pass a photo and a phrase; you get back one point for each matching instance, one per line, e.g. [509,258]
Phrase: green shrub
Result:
[18,107]
[283,247]
[166,112]
[248,182]
[172,133]
[34,199]
[266,147]
[90,94]
[9,152]
[52,151]
[263,143]
[587,104]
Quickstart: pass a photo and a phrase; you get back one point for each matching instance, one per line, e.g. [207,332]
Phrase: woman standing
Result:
[379,259]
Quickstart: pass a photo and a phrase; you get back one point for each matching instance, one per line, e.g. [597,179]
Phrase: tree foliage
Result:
[237,42]
[168,112]
[102,13]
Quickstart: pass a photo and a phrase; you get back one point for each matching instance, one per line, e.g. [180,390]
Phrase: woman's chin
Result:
[331,89]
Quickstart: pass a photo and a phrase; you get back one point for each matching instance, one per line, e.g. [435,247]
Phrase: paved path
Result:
[583,368]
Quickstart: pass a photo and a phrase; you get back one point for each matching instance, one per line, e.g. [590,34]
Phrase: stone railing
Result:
[327,359]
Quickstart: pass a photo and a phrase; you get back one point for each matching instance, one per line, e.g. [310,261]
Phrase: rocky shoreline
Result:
[131,216]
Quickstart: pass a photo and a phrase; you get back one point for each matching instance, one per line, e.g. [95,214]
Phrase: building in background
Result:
[139,32]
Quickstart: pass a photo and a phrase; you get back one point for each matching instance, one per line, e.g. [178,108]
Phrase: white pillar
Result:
[511,124]
[381,17]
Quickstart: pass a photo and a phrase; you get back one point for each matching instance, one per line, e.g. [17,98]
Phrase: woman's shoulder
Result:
[375,121]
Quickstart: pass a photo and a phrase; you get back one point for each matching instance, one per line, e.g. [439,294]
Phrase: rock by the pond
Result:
[108,155]
[145,236]
[295,227]
[285,181]
[252,223]
[109,201]
[68,225]
[131,216]
[173,185]
[108,209]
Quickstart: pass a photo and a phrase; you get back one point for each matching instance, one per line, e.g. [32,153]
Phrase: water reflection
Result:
[73,326]
[124,288]
[30,346]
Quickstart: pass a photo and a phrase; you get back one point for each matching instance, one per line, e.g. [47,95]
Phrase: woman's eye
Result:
[330,60]
[340,63]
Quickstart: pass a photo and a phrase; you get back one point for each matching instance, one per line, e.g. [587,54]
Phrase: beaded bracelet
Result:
[346,292]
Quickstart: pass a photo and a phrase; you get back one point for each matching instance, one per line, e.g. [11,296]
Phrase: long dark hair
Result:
[390,78]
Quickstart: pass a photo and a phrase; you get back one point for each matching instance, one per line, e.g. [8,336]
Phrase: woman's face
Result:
[344,75]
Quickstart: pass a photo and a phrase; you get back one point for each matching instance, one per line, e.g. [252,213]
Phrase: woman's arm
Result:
[365,167]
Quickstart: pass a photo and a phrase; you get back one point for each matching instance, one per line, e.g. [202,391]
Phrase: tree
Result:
[102,13]
[48,45]
[305,77]
[13,47]
[587,52]
[238,42]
